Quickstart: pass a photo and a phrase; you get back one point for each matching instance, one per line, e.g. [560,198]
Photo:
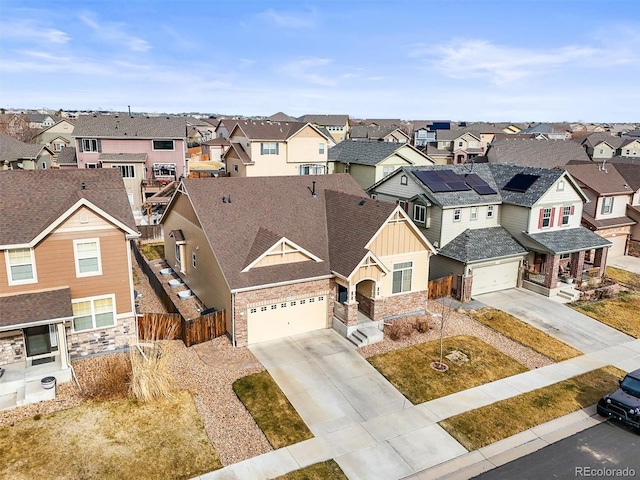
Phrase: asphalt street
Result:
[608,450]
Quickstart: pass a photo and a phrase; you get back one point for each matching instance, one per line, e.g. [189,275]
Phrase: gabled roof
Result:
[374,132]
[240,152]
[628,141]
[630,173]
[566,240]
[475,245]
[594,139]
[33,201]
[281,117]
[364,152]
[134,126]
[325,119]
[263,209]
[605,181]
[259,130]
[535,153]
[12,149]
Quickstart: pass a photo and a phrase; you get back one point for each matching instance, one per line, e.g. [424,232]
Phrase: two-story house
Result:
[265,148]
[499,226]
[337,125]
[149,152]
[66,288]
[609,195]
[530,152]
[296,254]
[631,174]
[601,146]
[17,155]
[378,133]
[368,161]
[57,136]
[630,147]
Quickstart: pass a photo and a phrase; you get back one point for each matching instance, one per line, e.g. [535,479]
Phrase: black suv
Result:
[624,403]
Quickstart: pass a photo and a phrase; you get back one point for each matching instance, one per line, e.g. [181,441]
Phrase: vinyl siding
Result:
[365,175]
[451,229]
[443,266]
[392,188]
[514,219]
[620,203]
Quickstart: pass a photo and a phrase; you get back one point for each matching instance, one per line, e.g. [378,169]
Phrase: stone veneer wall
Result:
[12,348]
[103,340]
[398,305]
[276,294]
[634,248]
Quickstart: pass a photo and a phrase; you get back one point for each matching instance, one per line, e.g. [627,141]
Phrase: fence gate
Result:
[441,287]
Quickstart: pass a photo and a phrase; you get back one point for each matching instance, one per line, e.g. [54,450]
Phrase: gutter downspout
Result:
[233,319]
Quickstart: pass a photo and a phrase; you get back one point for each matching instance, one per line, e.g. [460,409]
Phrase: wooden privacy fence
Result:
[172,326]
[440,287]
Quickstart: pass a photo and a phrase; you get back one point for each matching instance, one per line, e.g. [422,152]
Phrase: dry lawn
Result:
[318,471]
[486,425]
[271,410]
[524,333]
[153,251]
[409,369]
[624,278]
[117,439]
[621,313]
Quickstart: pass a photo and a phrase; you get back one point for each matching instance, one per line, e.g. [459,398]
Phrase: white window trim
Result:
[490,211]
[75,257]
[421,208]
[459,214]
[393,270]
[473,213]
[130,168]
[404,180]
[8,265]
[84,150]
[604,210]
[163,149]
[193,259]
[544,210]
[93,313]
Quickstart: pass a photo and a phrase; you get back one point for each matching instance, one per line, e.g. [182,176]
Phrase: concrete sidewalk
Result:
[410,443]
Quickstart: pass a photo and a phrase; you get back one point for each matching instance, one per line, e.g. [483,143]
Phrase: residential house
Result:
[535,153]
[67,159]
[39,121]
[215,149]
[281,117]
[551,131]
[198,131]
[149,152]
[601,146]
[66,290]
[368,162]
[631,174]
[499,226]
[17,155]
[17,126]
[337,125]
[225,126]
[290,254]
[265,148]
[465,144]
[384,133]
[57,136]
[609,195]
[630,147]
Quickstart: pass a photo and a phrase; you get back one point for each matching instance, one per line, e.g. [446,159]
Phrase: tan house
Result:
[337,125]
[57,136]
[265,148]
[369,162]
[631,174]
[17,155]
[291,254]
[66,289]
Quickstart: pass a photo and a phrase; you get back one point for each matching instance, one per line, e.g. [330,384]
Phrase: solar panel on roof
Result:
[473,179]
[439,187]
[521,182]
[458,186]
[483,189]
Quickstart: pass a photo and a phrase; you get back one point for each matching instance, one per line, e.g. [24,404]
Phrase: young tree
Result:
[443,309]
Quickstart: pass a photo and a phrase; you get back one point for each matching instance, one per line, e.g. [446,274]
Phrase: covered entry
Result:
[283,318]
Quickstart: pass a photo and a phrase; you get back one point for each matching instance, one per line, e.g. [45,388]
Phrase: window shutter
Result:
[540,218]
[560,215]
[573,208]
[277,148]
[553,214]
[99,142]
[262,149]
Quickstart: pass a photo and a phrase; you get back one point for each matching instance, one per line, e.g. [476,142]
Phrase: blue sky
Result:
[518,60]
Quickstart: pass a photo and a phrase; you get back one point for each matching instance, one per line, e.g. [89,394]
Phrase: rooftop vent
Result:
[83,186]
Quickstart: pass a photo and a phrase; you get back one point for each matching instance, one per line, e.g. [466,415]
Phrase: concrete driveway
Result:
[327,381]
[628,263]
[559,321]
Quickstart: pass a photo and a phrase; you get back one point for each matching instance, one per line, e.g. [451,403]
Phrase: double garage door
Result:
[286,317]
[492,278]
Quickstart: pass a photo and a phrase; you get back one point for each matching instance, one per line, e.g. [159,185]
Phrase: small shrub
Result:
[37,416]
[394,330]
[422,325]
[106,376]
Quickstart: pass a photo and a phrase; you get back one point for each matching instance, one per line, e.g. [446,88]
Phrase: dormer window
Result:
[403,180]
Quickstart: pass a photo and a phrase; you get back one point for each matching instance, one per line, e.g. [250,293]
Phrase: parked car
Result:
[624,403]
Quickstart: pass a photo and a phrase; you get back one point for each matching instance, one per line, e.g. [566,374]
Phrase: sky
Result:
[476,60]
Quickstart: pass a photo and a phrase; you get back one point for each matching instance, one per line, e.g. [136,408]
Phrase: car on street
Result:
[624,403]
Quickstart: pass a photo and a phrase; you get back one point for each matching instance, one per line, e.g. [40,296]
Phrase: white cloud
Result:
[290,20]
[115,33]
[319,71]
[53,35]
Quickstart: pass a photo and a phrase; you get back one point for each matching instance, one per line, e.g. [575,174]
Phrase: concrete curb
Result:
[519,445]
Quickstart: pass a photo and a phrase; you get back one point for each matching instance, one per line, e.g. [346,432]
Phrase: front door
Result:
[39,342]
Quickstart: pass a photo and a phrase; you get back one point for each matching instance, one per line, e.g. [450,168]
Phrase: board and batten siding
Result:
[206,279]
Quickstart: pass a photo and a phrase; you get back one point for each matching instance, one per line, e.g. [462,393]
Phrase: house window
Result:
[90,145]
[403,204]
[91,165]
[566,213]
[601,151]
[127,171]
[490,211]
[460,144]
[456,215]
[386,170]
[263,309]
[273,307]
[402,277]
[546,217]
[565,256]
[178,256]
[607,205]
[164,170]
[193,259]
[253,310]
[419,213]
[560,186]
[321,148]
[92,313]
[87,256]
[346,168]
[163,145]
[21,266]
[446,144]
[474,213]
[235,167]
[58,147]
[403,180]
[311,169]
[269,148]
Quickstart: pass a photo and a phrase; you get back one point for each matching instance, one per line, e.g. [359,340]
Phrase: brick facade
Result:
[600,260]
[12,348]
[275,295]
[104,340]
[577,265]
[466,284]
[552,264]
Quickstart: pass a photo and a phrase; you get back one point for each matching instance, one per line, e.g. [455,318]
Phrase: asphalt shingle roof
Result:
[535,153]
[12,149]
[362,152]
[503,173]
[268,130]
[631,174]
[568,241]
[34,307]
[333,120]
[33,199]
[603,182]
[482,244]
[121,126]
[67,156]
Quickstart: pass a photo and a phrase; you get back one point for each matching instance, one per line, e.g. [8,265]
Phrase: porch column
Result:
[62,345]
[551,264]
[600,260]
[577,265]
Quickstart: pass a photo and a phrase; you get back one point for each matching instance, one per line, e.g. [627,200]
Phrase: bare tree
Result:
[442,309]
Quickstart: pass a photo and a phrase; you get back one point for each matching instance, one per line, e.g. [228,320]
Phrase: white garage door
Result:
[492,278]
[619,244]
[284,318]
